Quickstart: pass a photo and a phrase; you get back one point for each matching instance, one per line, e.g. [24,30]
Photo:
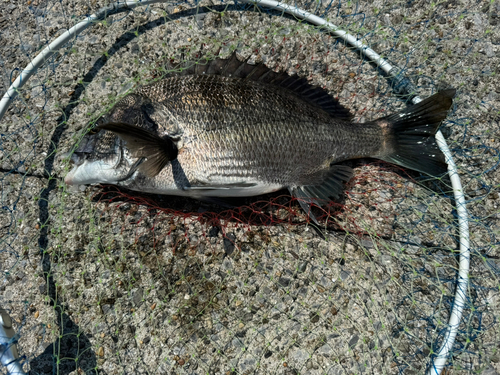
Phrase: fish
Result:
[226,128]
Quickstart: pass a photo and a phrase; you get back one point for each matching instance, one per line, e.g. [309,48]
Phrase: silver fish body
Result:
[230,136]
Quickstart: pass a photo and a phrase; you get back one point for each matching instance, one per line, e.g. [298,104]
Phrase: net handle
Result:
[400,85]
[9,356]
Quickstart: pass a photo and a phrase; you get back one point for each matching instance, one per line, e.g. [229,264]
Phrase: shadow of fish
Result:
[224,128]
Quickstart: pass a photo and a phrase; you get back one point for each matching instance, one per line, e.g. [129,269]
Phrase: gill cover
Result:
[96,160]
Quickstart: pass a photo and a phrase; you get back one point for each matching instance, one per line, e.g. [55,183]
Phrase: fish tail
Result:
[409,135]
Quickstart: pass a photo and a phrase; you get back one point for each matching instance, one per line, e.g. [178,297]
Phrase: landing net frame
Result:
[400,85]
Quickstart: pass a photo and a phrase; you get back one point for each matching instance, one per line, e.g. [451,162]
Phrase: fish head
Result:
[98,158]
[101,156]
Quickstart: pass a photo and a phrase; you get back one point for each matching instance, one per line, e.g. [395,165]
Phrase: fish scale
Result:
[248,131]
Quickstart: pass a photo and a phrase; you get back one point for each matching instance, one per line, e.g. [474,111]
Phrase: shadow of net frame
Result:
[45,194]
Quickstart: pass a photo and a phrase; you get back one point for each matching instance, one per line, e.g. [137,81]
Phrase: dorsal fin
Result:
[233,67]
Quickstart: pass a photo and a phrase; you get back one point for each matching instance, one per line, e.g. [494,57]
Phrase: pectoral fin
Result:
[156,150]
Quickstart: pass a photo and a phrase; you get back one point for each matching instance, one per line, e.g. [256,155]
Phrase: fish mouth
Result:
[74,160]
[97,158]
[95,172]
[89,171]
[69,178]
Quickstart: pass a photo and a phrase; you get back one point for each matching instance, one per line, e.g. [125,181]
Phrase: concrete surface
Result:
[115,286]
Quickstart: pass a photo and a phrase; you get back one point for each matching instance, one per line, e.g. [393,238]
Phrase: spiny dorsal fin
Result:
[233,67]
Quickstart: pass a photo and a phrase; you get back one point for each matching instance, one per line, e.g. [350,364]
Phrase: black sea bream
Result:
[226,129]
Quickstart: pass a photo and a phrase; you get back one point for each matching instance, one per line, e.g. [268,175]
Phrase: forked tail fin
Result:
[411,142]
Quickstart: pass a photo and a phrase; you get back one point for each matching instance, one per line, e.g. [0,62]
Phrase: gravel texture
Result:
[98,281]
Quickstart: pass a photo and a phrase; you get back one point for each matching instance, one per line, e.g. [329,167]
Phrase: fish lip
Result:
[75,161]
[68,179]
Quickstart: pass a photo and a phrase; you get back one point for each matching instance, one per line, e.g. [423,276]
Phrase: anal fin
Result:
[331,187]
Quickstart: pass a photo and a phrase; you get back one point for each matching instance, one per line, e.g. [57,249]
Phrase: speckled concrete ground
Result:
[101,285]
